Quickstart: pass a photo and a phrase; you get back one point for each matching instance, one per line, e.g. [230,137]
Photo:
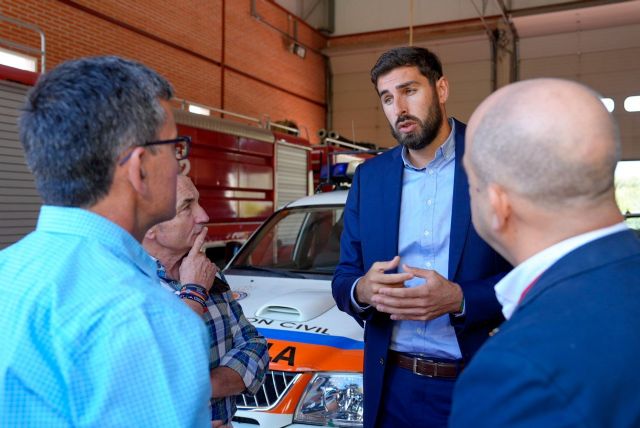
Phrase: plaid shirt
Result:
[235,343]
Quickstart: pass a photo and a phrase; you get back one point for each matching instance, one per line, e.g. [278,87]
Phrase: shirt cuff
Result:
[354,303]
[463,310]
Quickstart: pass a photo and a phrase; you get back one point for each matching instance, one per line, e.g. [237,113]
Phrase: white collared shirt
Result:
[511,287]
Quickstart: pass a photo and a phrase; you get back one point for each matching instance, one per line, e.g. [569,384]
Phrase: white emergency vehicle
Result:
[282,279]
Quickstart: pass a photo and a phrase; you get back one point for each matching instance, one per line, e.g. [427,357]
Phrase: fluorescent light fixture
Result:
[632,104]
[17,60]
[608,103]
[199,110]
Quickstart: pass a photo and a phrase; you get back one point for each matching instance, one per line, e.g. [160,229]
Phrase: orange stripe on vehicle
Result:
[294,357]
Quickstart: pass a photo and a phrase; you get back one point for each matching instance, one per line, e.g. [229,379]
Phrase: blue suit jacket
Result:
[371,220]
[569,354]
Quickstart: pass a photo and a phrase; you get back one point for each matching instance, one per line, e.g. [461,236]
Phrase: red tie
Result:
[526,290]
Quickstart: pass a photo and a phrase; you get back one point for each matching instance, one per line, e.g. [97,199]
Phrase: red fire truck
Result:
[243,171]
[244,168]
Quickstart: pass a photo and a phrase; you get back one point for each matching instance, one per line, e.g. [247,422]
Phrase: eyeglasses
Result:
[182,147]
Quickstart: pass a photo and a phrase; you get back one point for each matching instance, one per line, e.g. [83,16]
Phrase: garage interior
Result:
[305,63]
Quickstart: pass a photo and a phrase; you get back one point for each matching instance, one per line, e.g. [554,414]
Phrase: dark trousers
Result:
[410,400]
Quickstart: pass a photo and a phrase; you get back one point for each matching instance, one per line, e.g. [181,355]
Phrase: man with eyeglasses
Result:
[182,146]
[238,356]
[88,338]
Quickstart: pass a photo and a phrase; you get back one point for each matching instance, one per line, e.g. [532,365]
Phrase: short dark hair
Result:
[407,56]
[80,117]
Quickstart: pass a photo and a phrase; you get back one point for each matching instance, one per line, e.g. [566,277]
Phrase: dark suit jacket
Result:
[371,220]
[569,354]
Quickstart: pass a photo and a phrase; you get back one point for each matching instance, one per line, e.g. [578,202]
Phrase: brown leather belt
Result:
[425,366]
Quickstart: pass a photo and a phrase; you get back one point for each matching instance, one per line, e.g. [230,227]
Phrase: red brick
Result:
[195,26]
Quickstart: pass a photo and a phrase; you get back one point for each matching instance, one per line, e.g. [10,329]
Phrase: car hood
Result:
[299,318]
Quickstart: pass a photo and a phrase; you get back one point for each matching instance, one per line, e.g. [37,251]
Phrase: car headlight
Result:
[332,399]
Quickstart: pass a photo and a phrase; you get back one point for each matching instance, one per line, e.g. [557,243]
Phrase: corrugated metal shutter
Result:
[291,173]
[19,201]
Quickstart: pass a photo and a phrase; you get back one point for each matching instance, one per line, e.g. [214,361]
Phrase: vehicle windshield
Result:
[302,240]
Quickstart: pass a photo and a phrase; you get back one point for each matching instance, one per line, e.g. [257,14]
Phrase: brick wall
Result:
[252,72]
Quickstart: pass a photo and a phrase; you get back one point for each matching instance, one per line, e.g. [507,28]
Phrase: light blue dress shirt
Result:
[423,242]
[87,338]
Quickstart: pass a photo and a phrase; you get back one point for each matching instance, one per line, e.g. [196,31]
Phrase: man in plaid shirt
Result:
[238,358]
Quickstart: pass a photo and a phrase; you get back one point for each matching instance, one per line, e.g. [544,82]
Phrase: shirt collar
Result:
[510,288]
[444,153]
[85,223]
[166,282]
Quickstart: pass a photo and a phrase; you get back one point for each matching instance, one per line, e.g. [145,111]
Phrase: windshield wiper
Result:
[280,272]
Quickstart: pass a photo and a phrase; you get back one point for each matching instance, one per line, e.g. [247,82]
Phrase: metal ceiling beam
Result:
[562,7]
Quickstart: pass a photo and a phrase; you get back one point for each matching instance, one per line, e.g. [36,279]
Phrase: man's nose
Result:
[400,107]
[201,215]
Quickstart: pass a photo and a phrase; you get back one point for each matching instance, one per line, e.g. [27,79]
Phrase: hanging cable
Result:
[410,22]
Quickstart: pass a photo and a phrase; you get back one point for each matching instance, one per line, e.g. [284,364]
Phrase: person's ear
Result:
[442,89]
[151,233]
[137,174]
[500,207]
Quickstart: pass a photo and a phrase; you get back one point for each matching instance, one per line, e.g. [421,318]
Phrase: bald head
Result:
[549,140]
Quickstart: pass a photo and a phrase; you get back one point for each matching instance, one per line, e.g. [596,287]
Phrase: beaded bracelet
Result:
[199,289]
[195,299]
[194,293]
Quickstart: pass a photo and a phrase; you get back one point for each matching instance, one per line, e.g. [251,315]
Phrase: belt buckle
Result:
[415,368]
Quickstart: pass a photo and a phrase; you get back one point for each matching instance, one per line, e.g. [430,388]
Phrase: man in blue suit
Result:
[412,269]
[540,158]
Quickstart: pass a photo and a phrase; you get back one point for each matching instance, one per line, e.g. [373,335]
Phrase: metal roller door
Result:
[19,201]
[292,175]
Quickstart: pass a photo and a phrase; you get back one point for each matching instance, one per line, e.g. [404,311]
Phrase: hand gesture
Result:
[196,268]
[376,278]
[437,296]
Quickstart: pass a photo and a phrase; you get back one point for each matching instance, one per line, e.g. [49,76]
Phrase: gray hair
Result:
[80,117]
[549,140]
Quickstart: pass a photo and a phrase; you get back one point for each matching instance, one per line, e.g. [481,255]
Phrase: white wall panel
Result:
[606,59]
[359,16]
[356,106]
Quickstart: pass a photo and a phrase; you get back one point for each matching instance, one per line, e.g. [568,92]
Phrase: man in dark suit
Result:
[540,158]
[412,268]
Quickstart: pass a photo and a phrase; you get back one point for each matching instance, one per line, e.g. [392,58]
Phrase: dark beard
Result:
[428,129]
